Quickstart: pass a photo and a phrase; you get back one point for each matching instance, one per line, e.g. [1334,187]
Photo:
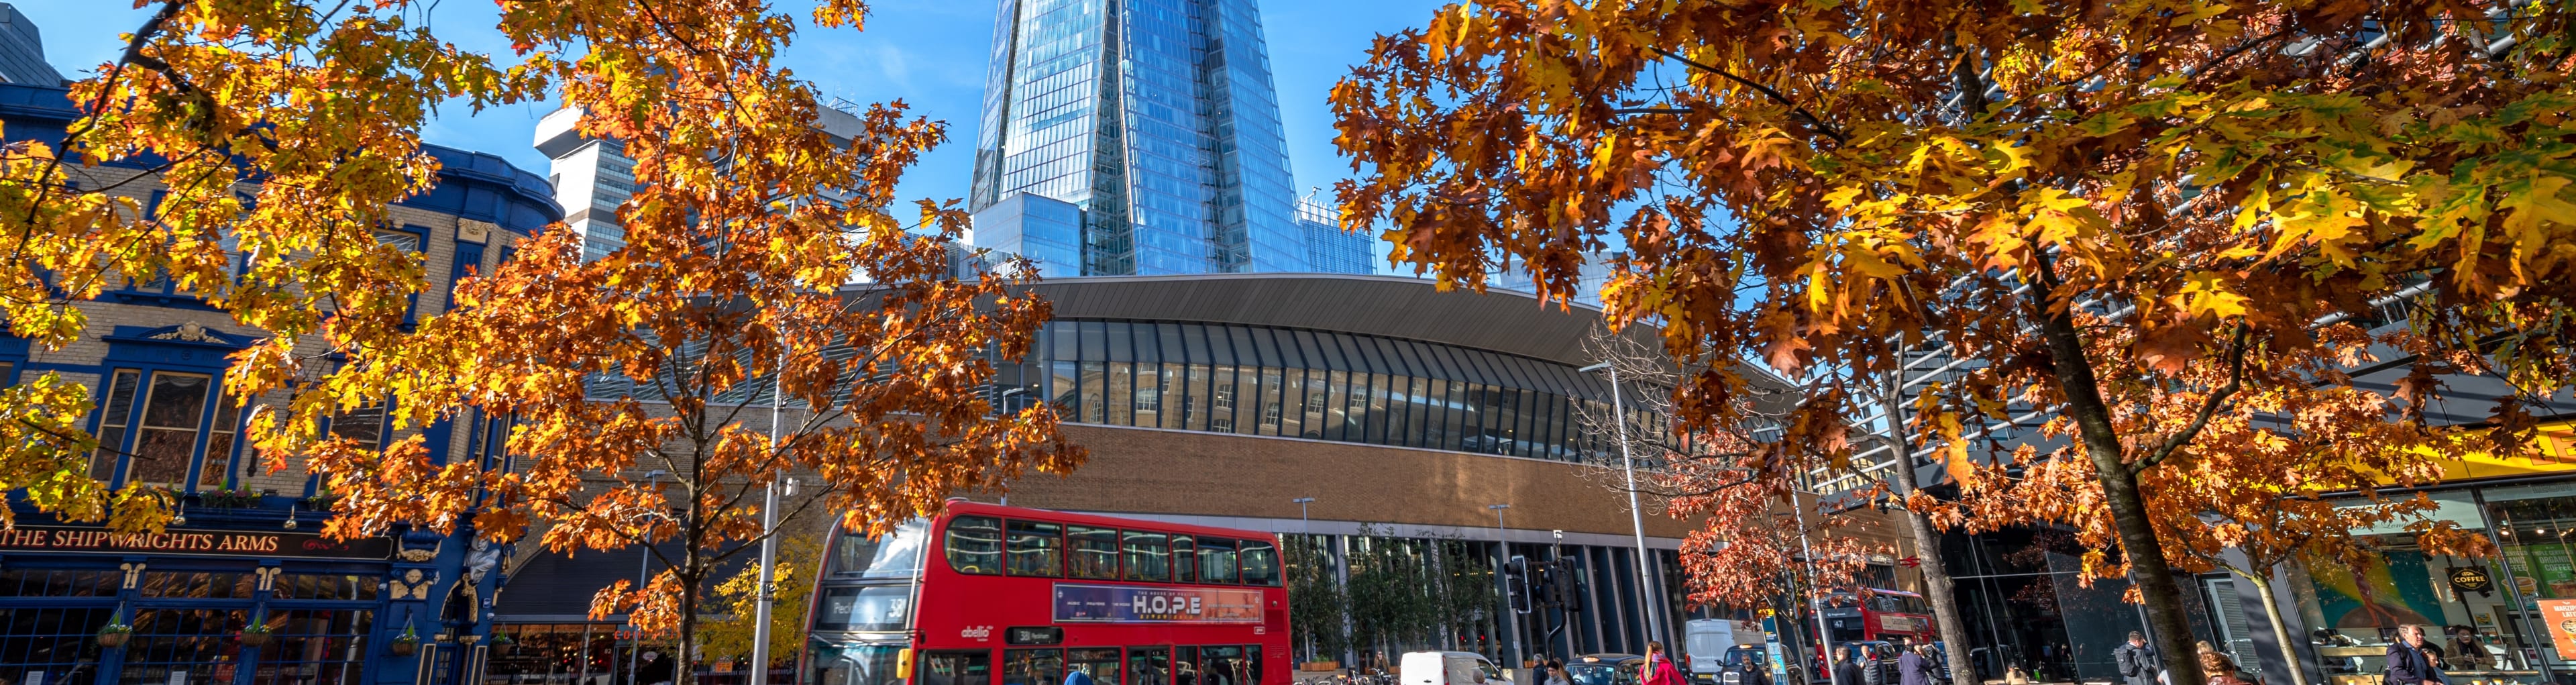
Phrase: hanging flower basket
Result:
[256,638]
[114,635]
[404,644]
[504,646]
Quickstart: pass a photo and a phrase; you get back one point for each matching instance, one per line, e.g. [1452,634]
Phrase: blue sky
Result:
[930,54]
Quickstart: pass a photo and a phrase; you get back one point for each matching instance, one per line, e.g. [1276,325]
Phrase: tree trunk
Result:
[684,671]
[1937,587]
[2280,632]
[2161,597]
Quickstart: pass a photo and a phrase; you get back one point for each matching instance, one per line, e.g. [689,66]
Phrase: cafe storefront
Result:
[216,604]
[2499,620]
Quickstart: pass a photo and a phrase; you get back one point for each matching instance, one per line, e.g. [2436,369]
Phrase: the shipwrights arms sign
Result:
[223,543]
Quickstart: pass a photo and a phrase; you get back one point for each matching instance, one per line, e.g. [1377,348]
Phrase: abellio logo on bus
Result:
[1134,604]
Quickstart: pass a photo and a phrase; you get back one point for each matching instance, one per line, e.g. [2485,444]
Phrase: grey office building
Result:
[1135,137]
[22,51]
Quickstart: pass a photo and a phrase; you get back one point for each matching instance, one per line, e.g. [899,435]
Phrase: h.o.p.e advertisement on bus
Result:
[1140,604]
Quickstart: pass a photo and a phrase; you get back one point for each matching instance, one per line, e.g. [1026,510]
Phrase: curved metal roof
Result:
[1397,307]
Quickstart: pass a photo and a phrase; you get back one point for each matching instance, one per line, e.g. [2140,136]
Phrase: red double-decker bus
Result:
[994,595]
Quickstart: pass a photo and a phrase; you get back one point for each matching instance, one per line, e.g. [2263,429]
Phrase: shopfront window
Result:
[50,645]
[182,646]
[2354,611]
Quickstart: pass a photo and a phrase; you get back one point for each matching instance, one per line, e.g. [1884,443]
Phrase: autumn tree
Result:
[2108,212]
[277,135]
[737,598]
[1766,534]
[657,392]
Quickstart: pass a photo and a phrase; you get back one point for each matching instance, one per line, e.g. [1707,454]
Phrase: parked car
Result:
[1745,665]
[1604,669]
[1449,668]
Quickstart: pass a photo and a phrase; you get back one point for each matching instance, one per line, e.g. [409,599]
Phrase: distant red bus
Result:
[1017,596]
[1879,615]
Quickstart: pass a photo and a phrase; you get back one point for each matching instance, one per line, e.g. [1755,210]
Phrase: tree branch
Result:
[2208,406]
[1812,120]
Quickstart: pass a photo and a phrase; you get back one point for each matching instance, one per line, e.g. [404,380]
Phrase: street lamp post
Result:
[635,648]
[1502,559]
[1302,524]
[1654,610]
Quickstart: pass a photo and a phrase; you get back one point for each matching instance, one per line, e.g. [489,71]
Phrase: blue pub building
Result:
[242,590]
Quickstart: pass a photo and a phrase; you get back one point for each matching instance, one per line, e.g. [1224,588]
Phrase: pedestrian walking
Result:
[1846,672]
[2407,662]
[1556,673]
[2137,661]
[1914,667]
[1658,669]
[2216,669]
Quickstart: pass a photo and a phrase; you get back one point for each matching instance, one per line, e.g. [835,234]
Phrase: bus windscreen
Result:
[896,555]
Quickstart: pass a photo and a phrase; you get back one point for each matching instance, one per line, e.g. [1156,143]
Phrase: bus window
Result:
[975,544]
[1216,560]
[878,608]
[1095,553]
[896,555]
[1252,664]
[957,668]
[1260,563]
[1185,660]
[1099,663]
[1222,665]
[1147,557]
[856,664]
[1032,667]
[1149,665]
[1037,549]
[1184,561]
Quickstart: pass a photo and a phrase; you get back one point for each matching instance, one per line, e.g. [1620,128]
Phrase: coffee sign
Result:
[221,543]
[2468,579]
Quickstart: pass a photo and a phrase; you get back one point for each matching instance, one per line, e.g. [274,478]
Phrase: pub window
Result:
[1270,415]
[1224,401]
[1184,563]
[974,544]
[44,583]
[198,585]
[326,586]
[1260,563]
[1222,424]
[219,446]
[1095,551]
[1314,402]
[166,444]
[1148,557]
[1216,561]
[1036,549]
[364,426]
[112,423]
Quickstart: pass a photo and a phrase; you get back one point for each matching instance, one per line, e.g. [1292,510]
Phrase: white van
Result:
[1448,668]
[1710,639]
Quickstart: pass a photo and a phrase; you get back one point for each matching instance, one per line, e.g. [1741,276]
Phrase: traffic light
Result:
[1516,583]
[1565,591]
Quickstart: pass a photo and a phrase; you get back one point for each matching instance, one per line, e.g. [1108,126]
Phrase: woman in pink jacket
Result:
[1659,668]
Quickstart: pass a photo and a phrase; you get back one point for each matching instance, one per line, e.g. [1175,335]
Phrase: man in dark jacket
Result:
[1846,670]
[2407,664]
[2136,660]
[1914,667]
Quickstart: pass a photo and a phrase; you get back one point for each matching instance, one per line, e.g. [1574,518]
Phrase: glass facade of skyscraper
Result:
[1156,120]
